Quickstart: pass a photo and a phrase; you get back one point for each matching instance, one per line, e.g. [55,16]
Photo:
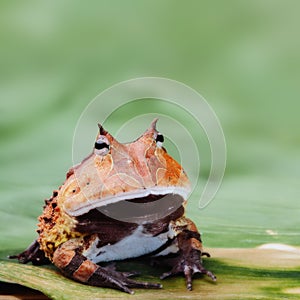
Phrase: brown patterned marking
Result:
[138,153]
[191,226]
[155,162]
[74,265]
[62,257]
[196,244]
[85,271]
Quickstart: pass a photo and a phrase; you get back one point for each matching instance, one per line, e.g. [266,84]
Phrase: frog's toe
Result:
[131,274]
[121,280]
[190,270]
[112,268]
[125,284]
[146,285]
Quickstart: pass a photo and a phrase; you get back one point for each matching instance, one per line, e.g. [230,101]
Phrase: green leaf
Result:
[242,274]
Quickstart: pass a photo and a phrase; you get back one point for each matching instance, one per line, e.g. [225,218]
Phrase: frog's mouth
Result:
[144,209]
[140,206]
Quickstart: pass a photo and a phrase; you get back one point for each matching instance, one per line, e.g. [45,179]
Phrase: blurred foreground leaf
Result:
[242,274]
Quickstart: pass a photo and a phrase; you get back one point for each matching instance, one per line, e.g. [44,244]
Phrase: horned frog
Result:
[122,201]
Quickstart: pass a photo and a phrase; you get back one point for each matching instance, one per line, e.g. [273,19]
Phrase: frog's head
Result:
[138,172]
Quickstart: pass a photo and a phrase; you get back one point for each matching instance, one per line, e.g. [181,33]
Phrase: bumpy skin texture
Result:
[75,235]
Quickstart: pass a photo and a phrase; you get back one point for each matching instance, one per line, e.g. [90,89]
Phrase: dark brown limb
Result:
[77,267]
[32,254]
[188,261]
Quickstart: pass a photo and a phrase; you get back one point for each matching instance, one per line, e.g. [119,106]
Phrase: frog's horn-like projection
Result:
[153,124]
[151,131]
[102,131]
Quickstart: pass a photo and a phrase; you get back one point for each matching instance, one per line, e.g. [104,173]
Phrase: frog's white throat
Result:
[171,197]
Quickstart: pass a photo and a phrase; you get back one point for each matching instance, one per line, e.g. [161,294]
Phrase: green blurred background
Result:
[242,56]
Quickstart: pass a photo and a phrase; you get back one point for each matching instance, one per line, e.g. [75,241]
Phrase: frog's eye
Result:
[159,139]
[102,146]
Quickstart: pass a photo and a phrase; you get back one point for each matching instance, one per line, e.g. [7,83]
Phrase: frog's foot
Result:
[189,260]
[76,266]
[120,280]
[189,265]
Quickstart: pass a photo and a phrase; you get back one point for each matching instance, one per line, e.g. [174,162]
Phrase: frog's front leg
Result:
[189,245]
[73,264]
